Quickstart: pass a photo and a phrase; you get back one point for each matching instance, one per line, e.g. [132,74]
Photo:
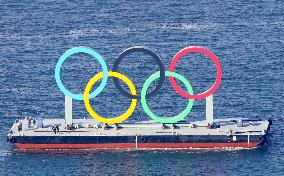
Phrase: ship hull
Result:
[140,146]
[139,142]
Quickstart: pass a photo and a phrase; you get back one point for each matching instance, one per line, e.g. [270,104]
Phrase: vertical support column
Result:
[68,110]
[209,109]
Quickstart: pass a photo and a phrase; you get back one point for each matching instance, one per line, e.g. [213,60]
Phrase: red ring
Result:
[196,49]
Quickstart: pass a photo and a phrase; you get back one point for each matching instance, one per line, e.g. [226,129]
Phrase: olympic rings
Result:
[144,51]
[86,51]
[211,56]
[147,110]
[118,119]
[144,95]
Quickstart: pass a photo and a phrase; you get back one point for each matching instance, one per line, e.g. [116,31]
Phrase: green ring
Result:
[173,119]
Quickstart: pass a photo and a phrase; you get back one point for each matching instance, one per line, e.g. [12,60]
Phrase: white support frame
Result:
[209,109]
[68,110]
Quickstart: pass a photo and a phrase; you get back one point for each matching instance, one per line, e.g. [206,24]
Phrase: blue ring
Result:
[86,51]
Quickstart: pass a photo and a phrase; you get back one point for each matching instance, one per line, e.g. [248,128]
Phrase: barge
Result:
[91,134]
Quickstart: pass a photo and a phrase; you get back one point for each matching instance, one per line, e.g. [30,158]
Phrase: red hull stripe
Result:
[139,145]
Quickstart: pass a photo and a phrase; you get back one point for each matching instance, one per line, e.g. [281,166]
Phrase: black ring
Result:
[147,52]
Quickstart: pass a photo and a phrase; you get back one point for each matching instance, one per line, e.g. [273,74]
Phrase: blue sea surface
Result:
[246,36]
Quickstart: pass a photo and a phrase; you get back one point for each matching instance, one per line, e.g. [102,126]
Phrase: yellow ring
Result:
[114,120]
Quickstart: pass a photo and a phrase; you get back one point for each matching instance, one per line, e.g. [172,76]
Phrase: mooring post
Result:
[68,110]
[209,109]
